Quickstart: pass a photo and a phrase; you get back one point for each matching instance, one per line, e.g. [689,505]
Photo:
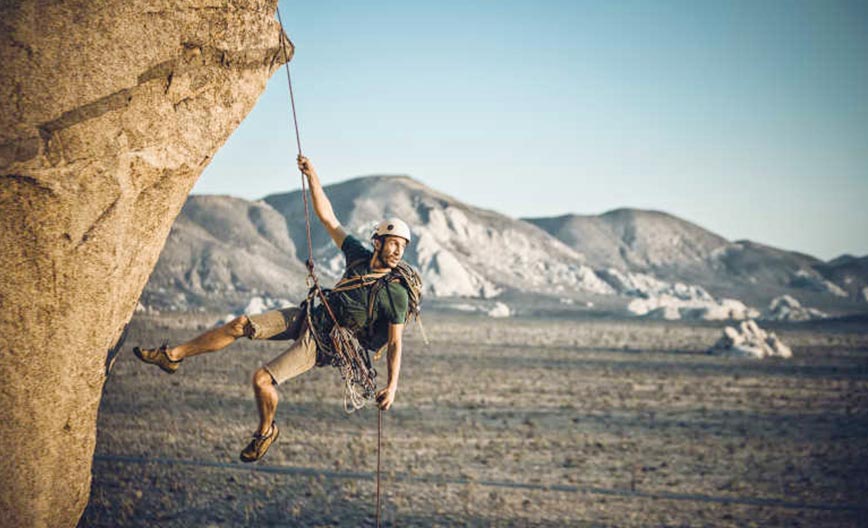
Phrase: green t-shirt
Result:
[351,307]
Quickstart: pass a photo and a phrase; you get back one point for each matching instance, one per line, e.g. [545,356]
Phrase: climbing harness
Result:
[402,273]
[347,349]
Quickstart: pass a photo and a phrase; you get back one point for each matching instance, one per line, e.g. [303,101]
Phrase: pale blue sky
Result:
[748,118]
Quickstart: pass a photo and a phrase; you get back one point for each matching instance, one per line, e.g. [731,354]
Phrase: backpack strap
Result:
[372,298]
[358,281]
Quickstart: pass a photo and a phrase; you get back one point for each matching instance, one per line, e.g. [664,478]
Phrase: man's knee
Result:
[262,379]
[239,327]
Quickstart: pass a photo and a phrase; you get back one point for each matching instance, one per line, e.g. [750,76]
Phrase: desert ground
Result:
[499,422]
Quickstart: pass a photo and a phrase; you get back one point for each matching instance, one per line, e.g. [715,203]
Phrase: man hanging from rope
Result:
[373,299]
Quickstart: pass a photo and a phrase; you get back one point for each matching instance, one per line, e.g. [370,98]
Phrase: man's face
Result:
[391,250]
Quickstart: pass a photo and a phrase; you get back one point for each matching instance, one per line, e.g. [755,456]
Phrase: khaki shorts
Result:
[282,325]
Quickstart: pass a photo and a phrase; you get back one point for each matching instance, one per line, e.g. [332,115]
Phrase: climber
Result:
[373,310]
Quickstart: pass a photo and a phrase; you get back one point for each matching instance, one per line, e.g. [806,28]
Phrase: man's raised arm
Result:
[321,204]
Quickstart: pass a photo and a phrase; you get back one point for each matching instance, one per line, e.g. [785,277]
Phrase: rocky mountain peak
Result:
[657,264]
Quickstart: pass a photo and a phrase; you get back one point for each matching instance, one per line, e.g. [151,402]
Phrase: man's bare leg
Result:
[297,359]
[266,399]
[210,341]
[266,403]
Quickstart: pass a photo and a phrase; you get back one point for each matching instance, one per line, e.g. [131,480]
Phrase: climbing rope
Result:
[379,437]
[358,380]
[359,385]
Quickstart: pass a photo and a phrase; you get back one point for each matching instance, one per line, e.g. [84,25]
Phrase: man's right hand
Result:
[305,166]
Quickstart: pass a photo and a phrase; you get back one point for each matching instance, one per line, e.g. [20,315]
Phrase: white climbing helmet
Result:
[392,227]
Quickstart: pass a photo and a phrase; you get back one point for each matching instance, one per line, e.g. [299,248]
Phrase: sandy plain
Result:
[509,422]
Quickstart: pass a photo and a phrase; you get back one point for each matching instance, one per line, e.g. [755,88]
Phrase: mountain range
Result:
[224,251]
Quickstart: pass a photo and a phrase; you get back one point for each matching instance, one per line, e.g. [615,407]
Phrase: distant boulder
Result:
[499,310]
[657,299]
[697,309]
[496,309]
[668,312]
[719,310]
[787,308]
[751,341]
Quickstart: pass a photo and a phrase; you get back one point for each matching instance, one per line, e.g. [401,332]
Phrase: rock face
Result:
[110,111]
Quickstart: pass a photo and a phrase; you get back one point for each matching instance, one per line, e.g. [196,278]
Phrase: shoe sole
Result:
[276,436]
[138,352]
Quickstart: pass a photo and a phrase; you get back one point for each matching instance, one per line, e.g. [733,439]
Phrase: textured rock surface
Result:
[787,308]
[110,111]
[658,299]
[751,341]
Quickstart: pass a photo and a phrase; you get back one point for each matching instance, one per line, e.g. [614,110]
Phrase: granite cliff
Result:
[110,111]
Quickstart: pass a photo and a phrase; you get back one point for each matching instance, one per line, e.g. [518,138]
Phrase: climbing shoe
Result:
[158,357]
[257,447]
